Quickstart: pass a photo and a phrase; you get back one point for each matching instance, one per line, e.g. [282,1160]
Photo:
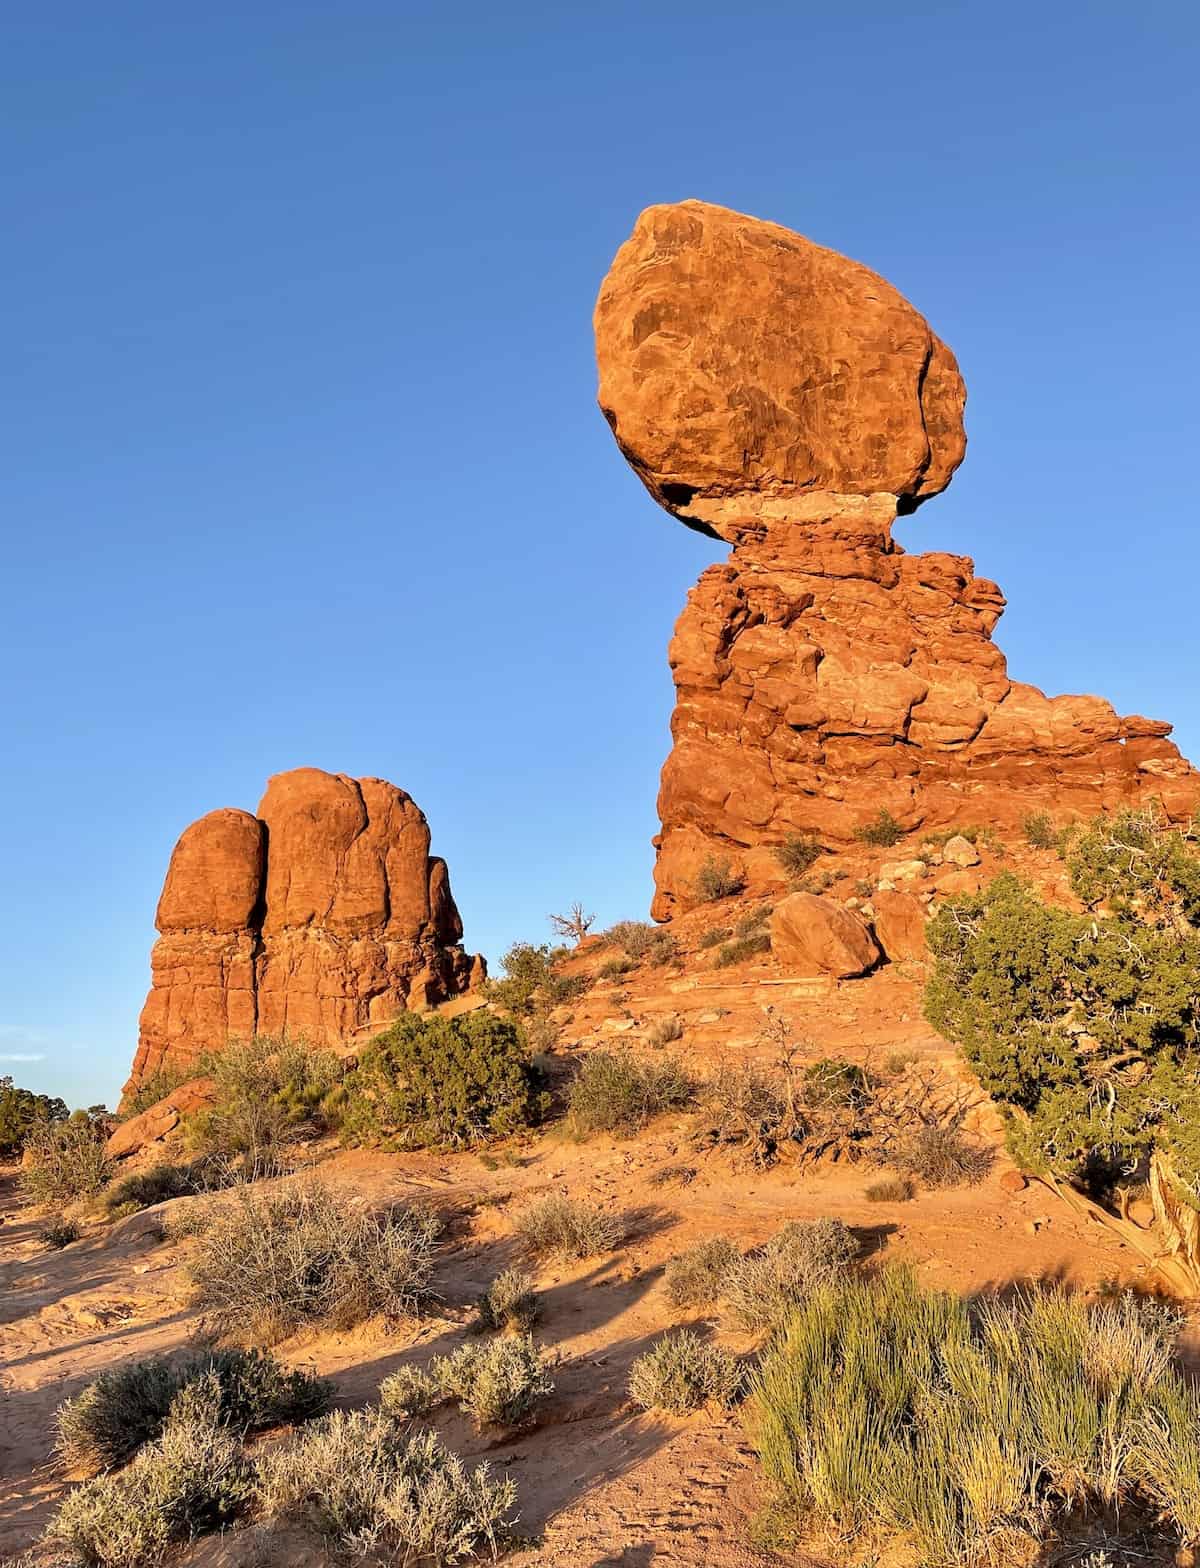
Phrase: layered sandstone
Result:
[791,402]
[322,916]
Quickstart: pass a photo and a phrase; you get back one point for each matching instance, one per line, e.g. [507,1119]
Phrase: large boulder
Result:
[811,935]
[900,925]
[159,1120]
[322,916]
[738,359]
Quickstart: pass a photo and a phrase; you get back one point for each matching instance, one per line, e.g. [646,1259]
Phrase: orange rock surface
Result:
[788,400]
[322,916]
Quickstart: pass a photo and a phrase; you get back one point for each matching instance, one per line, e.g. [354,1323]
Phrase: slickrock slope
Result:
[322,916]
[779,396]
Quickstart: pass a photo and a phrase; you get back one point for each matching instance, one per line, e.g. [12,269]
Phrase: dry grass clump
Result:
[556,1226]
[510,1302]
[743,948]
[798,853]
[497,1383]
[266,1094]
[192,1479]
[616,1091]
[683,1372]
[895,1189]
[940,1156]
[65,1161]
[60,1234]
[126,1407]
[664,1031]
[641,942]
[367,1486]
[701,1275]
[267,1263]
[716,879]
[886,1410]
[408,1391]
[714,936]
[882,831]
[764,1289]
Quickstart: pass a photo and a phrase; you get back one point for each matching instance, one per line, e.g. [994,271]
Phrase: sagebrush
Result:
[557,1226]
[617,1091]
[683,1372]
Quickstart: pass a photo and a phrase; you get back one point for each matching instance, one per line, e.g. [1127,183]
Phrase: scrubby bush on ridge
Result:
[65,1160]
[798,853]
[557,1226]
[497,1382]
[616,1091]
[443,1082]
[882,832]
[764,1288]
[266,1263]
[530,983]
[702,1274]
[265,1094]
[509,1302]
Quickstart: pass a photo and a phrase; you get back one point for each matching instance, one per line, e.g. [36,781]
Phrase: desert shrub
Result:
[266,1094]
[60,1234]
[683,1372]
[143,1189]
[701,1275]
[887,1410]
[942,1157]
[408,1391]
[714,936]
[616,1091]
[882,832]
[154,1088]
[498,1382]
[833,1081]
[896,1189]
[368,1486]
[21,1109]
[431,1081]
[664,1031]
[65,1160]
[530,983]
[193,1478]
[126,1407]
[614,968]
[716,879]
[555,1226]
[642,942]
[509,1302]
[753,920]
[266,1263]
[798,853]
[1038,830]
[765,1287]
[743,948]
[1084,1026]
[744,1105]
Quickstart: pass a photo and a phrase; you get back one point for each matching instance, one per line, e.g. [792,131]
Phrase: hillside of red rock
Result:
[779,396]
[322,916]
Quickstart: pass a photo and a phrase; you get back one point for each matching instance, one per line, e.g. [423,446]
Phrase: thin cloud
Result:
[22,1056]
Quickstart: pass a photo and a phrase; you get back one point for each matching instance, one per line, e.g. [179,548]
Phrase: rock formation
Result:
[323,916]
[776,395]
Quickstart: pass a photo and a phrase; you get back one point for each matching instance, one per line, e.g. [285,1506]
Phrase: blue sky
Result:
[304,464]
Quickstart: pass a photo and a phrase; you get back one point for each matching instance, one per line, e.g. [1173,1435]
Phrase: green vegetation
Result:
[555,1226]
[614,968]
[882,832]
[641,942]
[128,1406]
[714,936]
[616,1091]
[64,1161]
[510,1302]
[21,1110]
[408,1391]
[1085,1025]
[941,1157]
[267,1263]
[530,984]
[716,879]
[368,1486]
[683,1372]
[156,1087]
[744,948]
[60,1234]
[887,1411]
[798,853]
[193,1478]
[701,1275]
[1039,830]
[436,1082]
[266,1094]
[497,1382]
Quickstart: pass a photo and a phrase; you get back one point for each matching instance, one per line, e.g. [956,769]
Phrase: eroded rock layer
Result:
[791,402]
[323,916]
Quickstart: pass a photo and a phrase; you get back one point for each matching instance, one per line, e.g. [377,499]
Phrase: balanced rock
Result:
[811,935]
[322,916]
[790,401]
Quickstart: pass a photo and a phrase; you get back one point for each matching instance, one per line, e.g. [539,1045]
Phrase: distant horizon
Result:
[308,467]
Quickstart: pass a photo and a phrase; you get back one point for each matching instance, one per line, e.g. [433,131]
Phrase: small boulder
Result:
[1013,1182]
[959,851]
[902,870]
[900,925]
[811,935]
[153,1124]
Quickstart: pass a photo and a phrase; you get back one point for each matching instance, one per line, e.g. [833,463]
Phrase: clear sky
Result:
[303,461]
